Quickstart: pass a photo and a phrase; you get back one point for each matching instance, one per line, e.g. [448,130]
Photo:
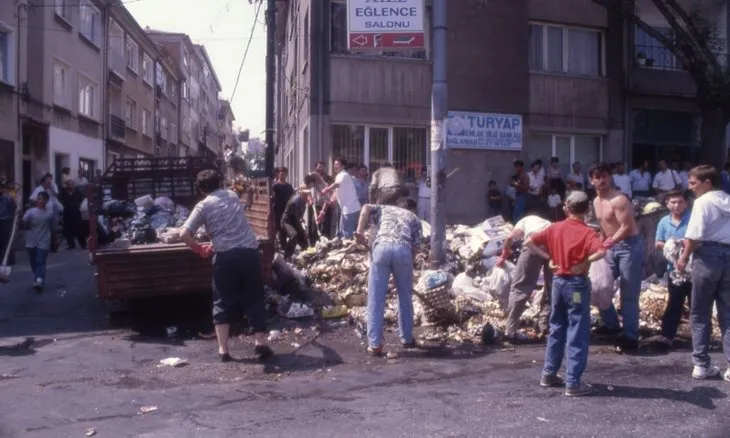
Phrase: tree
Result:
[255,164]
[695,42]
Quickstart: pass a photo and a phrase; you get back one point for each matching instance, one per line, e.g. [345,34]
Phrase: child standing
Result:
[572,246]
[554,202]
[494,199]
[39,221]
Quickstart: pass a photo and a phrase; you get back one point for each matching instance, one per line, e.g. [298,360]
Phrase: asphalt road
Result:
[64,369]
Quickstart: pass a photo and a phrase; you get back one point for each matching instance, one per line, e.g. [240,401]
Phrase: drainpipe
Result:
[18,150]
[320,87]
[628,57]
[105,86]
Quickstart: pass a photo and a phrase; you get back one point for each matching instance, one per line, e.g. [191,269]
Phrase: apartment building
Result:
[541,63]
[167,112]
[210,88]
[226,136]
[63,81]
[182,53]
[131,94]
[9,137]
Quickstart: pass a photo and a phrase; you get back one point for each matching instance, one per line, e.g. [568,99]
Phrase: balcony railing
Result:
[117,63]
[117,127]
[661,58]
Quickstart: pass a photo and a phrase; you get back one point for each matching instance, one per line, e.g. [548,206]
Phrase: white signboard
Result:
[467,130]
[387,25]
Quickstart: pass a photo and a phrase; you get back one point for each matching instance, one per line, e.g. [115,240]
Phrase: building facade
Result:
[167,104]
[210,88]
[9,128]
[226,136]
[374,107]
[63,83]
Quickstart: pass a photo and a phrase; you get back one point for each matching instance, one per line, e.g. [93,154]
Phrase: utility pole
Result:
[270,84]
[439,112]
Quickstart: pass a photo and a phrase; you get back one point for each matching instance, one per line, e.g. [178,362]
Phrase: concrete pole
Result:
[270,84]
[439,110]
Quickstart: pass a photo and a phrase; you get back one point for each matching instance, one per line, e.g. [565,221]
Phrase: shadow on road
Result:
[25,348]
[296,362]
[701,396]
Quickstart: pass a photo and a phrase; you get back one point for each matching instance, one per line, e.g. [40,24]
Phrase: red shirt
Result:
[569,243]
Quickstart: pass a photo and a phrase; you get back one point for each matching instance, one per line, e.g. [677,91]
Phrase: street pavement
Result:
[66,369]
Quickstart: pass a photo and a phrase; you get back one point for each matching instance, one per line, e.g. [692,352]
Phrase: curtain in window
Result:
[348,142]
[378,148]
[537,60]
[584,52]
[409,150]
[555,49]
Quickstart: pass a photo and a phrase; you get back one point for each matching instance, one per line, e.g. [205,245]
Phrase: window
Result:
[338,35]
[146,115]
[374,146]
[185,90]
[6,55]
[132,53]
[61,90]
[61,7]
[163,127]
[568,148]
[147,69]
[650,53]
[561,49]
[87,97]
[90,18]
[88,166]
[186,126]
[130,114]
[173,133]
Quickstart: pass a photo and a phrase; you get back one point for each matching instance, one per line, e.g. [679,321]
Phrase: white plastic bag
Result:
[602,284]
[498,283]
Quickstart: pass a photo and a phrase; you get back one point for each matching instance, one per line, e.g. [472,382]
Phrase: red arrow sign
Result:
[361,40]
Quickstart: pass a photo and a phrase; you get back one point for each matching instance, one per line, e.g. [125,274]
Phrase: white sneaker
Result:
[701,373]
[726,376]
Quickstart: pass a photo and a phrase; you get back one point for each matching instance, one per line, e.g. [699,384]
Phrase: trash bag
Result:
[161,220]
[673,249]
[602,284]
[463,285]
[498,282]
[116,208]
[164,203]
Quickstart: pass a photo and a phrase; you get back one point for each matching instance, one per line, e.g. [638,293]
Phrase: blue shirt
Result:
[666,229]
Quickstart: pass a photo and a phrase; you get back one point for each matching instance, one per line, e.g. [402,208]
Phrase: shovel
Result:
[5,269]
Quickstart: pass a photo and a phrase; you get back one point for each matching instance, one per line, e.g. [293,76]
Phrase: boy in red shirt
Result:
[572,247]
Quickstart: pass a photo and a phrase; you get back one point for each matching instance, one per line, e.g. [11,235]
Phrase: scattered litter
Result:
[391,355]
[298,331]
[90,432]
[610,388]
[274,335]
[295,345]
[172,362]
[147,409]
[543,419]
[333,312]
[299,310]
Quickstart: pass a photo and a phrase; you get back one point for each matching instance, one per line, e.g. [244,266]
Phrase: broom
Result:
[5,269]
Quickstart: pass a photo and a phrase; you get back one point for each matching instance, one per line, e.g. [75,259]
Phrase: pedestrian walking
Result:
[673,225]
[39,221]
[571,247]
[525,276]
[237,280]
[397,238]
[708,242]
[72,226]
[625,246]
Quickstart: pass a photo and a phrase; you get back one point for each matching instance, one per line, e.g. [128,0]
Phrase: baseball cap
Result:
[575,198]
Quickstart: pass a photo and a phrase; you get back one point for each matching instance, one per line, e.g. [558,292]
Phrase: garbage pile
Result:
[144,221]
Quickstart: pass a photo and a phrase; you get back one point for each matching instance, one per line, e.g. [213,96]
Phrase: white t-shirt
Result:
[346,193]
[640,181]
[623,183]
[53,200]
[710,219]
[536,182]
[666,180]
[577,178]
[531,224]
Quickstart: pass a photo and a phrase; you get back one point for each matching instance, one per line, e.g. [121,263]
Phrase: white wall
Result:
[75,146]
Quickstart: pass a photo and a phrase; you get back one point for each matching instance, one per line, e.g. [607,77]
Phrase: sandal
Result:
[375,351]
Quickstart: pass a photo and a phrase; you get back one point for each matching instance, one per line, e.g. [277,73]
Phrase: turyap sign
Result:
[387,25]
[465,130]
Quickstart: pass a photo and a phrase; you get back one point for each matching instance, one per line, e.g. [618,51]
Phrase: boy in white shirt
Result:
[347,198]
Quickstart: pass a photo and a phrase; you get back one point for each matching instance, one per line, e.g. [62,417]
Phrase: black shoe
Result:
[579,391]
[263,352]
[409,345]
[551,381]
[225,357]
[626,345]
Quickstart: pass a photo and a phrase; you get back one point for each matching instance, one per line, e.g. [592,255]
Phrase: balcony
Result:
[658,71]
[117,128]
[117,64]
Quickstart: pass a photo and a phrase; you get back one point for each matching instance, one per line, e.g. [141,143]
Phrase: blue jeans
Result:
[37,257]
[710,284]
[397,259]
[520,206]
[570,325]
[626,259]
[348,224]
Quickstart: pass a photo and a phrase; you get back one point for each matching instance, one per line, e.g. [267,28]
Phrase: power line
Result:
[245,53]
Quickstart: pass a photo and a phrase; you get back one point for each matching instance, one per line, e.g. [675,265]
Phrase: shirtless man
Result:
[625,254]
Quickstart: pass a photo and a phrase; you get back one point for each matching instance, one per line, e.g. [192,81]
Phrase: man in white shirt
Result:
[666,179]
[424,196]
[708,242]
[576,179]
[621,180]
[47,185]
[346,197]
[526,275]
[641,180]
[81,180]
